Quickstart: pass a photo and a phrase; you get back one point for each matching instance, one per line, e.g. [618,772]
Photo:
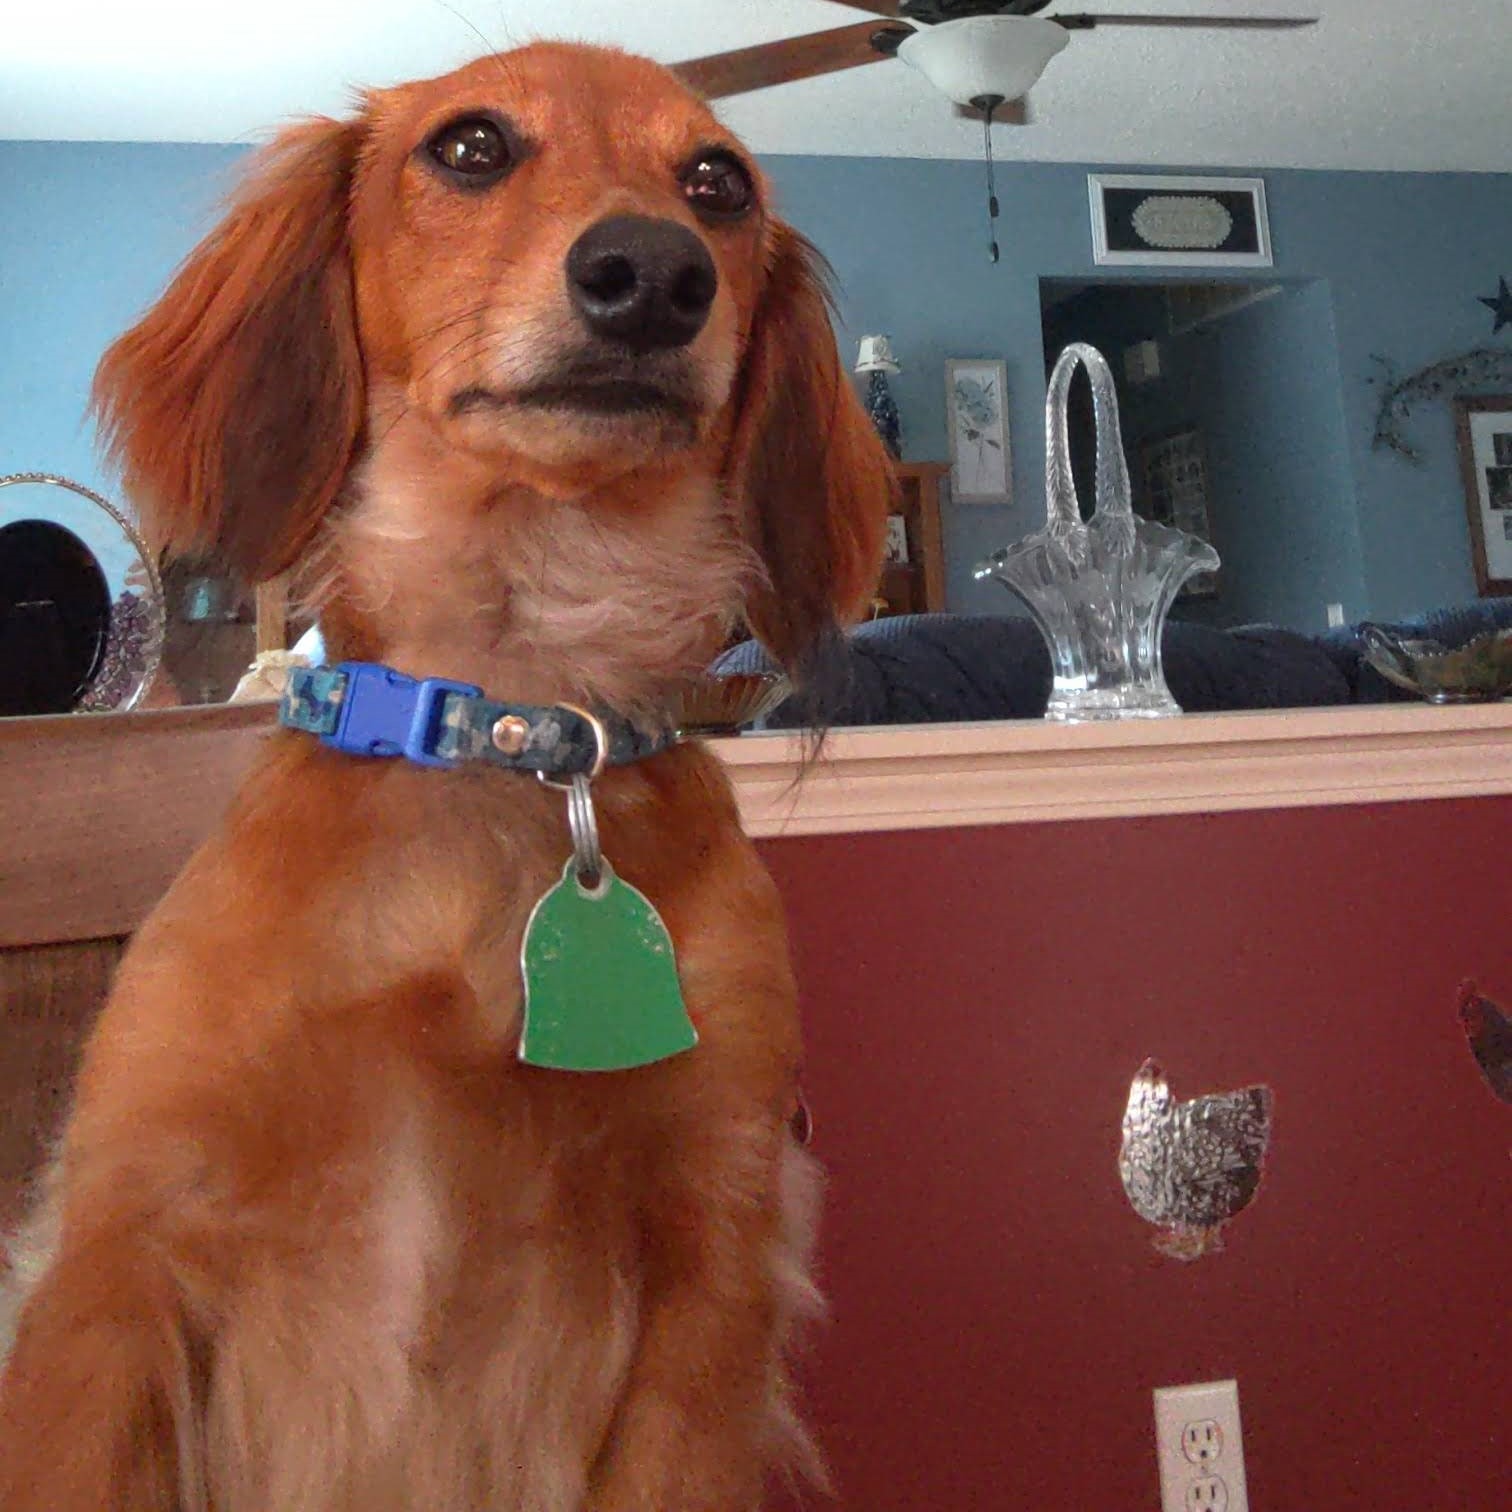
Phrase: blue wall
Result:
[1267,396]
[91,232]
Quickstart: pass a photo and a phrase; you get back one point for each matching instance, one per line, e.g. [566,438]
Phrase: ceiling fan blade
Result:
[1084,22]
[889,8]
[768,63]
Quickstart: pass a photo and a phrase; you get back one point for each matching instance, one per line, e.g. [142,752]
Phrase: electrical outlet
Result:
[1200,1448]
[1202,1441]
[1210,1494]
[1335,615]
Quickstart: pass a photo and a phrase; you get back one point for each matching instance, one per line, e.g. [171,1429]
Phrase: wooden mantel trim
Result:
[931,776]
[98,812]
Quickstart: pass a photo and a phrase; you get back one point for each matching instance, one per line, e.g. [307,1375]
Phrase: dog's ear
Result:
[806,467]
[234,407]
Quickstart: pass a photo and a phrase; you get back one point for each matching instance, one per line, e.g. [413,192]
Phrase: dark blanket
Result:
[935,668]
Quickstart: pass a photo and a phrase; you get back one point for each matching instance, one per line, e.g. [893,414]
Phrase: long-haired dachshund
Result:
[520,366]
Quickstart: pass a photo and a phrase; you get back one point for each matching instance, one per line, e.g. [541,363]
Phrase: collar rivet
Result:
[509,734]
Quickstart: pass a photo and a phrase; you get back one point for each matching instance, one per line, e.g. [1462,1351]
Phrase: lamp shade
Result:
[876,356]
[984,55]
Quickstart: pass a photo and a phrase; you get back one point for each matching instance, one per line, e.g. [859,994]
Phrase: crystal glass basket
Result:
[1098,589]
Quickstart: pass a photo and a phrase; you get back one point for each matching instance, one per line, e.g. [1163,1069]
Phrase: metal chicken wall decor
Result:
[1488,1029]
[1190,1167]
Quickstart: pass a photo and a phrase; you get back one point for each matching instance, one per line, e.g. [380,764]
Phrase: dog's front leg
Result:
[692,1431]
[94,1400]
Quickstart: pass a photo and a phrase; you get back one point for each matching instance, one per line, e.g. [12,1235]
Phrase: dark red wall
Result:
[977,1001]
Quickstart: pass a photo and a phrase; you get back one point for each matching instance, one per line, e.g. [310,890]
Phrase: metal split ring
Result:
[583,824]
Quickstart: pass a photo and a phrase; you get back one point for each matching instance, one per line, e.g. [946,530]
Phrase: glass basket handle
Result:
[1114,500]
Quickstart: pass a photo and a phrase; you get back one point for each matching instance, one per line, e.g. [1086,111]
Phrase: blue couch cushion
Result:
[929,668]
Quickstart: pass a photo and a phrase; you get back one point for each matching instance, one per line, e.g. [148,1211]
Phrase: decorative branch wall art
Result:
[1482,368]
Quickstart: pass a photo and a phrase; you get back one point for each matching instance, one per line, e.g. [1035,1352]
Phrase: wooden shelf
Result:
[918,585]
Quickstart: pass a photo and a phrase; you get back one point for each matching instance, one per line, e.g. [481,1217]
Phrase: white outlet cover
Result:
[1200,1448]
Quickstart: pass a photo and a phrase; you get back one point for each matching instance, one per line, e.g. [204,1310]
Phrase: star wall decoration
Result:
[1500,305]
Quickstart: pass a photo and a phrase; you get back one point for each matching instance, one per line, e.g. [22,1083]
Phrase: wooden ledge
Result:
[99,811]
[929,776]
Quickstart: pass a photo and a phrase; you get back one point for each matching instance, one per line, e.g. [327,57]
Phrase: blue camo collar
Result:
[367,709]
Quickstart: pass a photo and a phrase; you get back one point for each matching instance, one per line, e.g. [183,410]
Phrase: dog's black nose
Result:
[641,283]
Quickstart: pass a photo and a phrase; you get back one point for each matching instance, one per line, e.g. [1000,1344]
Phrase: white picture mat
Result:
[1485,426]
[1153,183]
[981,458]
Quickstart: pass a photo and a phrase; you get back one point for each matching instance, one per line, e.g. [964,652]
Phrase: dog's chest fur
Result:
[476,1330]
[447,1321]
[432,1266]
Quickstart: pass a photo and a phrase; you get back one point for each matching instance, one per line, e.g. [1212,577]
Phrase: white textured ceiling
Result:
[1404,84]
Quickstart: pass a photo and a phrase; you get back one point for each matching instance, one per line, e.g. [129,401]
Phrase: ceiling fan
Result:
[983,54]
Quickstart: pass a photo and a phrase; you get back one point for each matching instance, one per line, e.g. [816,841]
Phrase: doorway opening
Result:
[1233,425]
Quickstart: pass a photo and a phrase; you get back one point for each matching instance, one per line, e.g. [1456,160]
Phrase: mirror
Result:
[1204,372]
[1017,963]
[1389,220]
[81,602]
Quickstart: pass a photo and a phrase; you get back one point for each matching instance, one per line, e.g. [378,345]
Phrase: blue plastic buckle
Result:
[385,713]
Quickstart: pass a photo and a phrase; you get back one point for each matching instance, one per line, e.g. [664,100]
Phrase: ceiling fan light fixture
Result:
[984,55]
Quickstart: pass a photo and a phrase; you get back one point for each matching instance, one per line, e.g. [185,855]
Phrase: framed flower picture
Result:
[976,418]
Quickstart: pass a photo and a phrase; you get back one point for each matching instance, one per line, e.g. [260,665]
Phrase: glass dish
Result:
[1480,671]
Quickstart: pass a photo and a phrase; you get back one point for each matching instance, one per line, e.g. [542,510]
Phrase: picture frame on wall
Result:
[1179,221]
[1174,492]
[976,421]
[1484,423]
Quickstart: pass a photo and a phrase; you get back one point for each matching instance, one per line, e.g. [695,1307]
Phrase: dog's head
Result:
[537,304]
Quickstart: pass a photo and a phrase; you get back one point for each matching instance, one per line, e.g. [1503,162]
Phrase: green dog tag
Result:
[601,988]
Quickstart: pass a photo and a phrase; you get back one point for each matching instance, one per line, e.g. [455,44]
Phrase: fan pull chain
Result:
[987,104]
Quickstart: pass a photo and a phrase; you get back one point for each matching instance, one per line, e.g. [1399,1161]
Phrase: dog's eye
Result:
[717,184]
[474,148]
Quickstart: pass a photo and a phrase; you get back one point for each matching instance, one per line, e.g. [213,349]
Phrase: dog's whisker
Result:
[491,50]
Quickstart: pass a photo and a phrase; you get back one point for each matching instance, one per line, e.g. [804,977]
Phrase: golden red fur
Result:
[319,1242]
